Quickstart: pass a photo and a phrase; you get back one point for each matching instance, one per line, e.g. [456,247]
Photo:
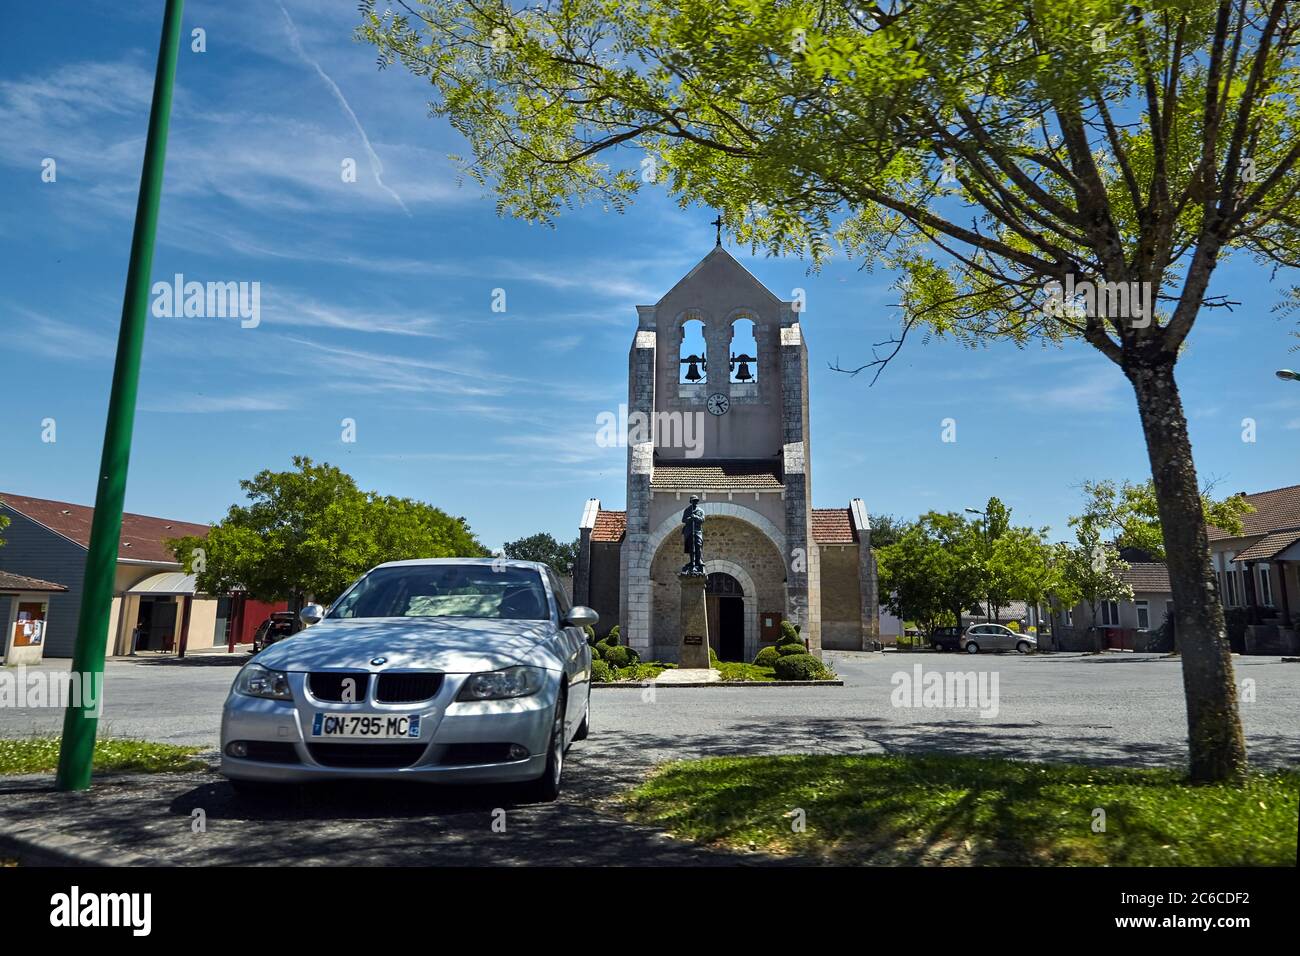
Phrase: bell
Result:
[692,363]
[743,374]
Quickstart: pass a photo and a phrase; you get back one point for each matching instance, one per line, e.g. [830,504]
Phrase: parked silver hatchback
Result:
[996,637]
[448,671]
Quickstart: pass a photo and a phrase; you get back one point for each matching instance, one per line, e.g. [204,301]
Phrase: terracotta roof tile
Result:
[832,526]
[142,535]
[610,526]
[1275,510]
[719,476]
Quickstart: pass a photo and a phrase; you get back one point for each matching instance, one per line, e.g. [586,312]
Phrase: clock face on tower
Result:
[718,403]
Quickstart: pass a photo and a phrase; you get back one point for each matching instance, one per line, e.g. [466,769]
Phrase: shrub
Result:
[800,667]
[788,650]
[600,672]
[766,657]
[600,649]
[612,636]
[617,656]
[790,634]
[713,655]
[632,656]
[591,634]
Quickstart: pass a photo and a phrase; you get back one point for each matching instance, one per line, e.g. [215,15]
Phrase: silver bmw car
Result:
[453,670]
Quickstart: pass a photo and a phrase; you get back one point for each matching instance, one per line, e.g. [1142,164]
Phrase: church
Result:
[731,426]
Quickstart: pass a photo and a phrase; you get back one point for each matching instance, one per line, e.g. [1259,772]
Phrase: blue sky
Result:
[376,306]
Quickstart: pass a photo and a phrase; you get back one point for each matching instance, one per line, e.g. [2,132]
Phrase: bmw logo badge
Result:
[376,661]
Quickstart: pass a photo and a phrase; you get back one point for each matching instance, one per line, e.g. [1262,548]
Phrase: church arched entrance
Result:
[726,607]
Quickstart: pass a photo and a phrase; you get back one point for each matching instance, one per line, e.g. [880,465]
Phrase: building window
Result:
[692,359]
[1143,615]
[1110,614]
[1231,589]
[1265,587]
[1069,617]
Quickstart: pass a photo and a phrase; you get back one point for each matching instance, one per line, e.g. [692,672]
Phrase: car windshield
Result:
[447,590]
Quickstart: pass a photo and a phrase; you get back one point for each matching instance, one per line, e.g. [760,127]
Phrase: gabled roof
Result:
[142,535]
[1147,576]
[1269,545]
[726,261]
[833,526]
[1276,510]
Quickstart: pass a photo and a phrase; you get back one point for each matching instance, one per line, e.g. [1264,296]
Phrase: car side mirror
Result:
[311,614]
[580,616]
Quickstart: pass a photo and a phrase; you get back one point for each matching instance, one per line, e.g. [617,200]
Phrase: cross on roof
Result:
[718,223]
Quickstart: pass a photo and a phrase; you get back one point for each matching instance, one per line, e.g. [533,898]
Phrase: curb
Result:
[722,683]
[49,849]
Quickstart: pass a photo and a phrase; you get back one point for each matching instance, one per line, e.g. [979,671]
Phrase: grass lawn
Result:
[943,810]
[738,670]
[41,755]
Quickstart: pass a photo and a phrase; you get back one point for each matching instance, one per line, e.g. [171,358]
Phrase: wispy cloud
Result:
[41,335]
[376,167]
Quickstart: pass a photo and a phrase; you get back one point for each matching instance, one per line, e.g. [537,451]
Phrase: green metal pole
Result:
[81,722]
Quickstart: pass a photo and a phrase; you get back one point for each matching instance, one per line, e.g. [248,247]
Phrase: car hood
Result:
[450,645]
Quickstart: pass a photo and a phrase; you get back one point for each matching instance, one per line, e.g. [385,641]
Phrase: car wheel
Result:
[972,647]
[546,788]
[1023,647]
[936,646]
[584,728]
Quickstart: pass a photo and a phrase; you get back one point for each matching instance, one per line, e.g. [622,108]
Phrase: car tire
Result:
[546,788]
[584,728]
[972,647]
[1022,647]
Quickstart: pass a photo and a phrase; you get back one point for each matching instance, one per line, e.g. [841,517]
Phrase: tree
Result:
[934,572]
[311,532]
[1051,169]
[1132,512]
[1091,573]
[885,530]
[543,547]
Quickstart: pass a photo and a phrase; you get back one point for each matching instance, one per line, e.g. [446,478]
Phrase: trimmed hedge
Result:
[789,634]
[786,650]
[800,667]
[766,657]
[617,656]
[600,672]
[612,636]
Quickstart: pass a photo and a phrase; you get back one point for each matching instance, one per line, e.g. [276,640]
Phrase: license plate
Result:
[369,726]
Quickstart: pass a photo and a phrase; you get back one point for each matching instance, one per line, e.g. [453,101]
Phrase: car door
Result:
[1003,637]
[573,640]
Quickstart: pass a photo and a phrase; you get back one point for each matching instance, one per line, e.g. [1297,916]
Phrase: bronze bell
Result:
[692,363]
[743,374]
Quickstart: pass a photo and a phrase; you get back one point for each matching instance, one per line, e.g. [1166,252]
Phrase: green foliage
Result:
[1131,513]
[800,667]
[544,548]
[713,657]
[785,650]
[612,636]
[590,632]
[789,634]
[600,671]
[41,755]
[616,656]
[766,657]
[736,671]
[311,531]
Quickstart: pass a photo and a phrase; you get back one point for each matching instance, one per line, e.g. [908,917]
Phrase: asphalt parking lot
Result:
[1112,708]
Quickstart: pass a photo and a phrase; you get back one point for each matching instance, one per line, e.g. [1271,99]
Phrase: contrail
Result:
[376,166]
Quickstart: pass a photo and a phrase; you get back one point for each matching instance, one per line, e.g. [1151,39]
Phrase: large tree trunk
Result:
[1217,746]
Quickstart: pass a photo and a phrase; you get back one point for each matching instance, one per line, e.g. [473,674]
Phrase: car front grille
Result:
[329,685]
[460,754]
[373,756]
[407,688]
[269,751]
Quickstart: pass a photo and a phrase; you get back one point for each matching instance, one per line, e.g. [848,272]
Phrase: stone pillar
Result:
[694,649]
[867,577]
[582,563]
[634,556]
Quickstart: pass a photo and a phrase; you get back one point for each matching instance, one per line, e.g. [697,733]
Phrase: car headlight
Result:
[258,681]
[500,685]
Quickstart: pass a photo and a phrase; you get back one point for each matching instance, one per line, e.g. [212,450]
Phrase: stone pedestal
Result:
[694,650]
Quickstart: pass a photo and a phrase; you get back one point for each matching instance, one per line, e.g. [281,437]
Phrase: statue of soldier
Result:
[693,537]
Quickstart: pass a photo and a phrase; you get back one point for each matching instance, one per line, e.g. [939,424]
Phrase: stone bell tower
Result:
[731,427]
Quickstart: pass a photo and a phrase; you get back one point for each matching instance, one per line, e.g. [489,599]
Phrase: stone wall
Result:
[841,598]
[727,540]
